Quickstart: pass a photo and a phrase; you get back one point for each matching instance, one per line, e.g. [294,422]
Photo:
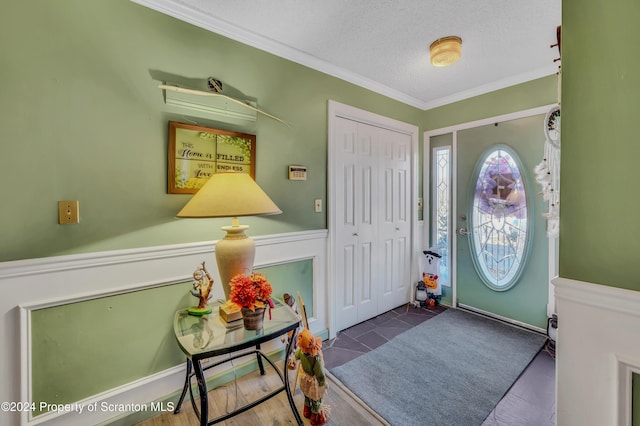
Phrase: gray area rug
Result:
[450,370]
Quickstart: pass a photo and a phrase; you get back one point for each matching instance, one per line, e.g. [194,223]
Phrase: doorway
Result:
[473,255]
[372,214]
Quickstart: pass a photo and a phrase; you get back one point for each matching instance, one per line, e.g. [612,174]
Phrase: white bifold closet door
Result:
[373,234]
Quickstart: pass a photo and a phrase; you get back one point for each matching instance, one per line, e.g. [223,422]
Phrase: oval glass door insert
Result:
[499,219]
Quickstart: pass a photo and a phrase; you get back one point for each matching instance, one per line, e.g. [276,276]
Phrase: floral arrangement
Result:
[253,291]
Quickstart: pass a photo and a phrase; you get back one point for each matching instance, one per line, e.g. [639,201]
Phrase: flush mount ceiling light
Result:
[445,51]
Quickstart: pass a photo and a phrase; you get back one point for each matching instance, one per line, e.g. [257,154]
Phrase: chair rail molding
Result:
[33,284]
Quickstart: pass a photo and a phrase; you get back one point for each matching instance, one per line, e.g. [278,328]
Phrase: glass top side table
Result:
[209,336]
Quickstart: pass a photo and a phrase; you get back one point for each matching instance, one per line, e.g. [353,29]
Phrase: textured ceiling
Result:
[383,45]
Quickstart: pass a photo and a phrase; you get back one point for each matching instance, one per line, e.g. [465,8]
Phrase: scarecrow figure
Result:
[312,380]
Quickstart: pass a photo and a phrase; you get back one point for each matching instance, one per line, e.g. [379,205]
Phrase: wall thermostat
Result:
[297,173]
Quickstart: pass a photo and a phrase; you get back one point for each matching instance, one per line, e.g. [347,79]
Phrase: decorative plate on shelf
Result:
[552,126]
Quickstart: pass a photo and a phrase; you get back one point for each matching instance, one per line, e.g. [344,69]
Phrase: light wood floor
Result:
[345,409]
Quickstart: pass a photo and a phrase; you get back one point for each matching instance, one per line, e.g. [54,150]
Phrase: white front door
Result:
[373,220]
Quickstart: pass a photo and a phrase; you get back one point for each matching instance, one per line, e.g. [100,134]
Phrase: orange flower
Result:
[250,291]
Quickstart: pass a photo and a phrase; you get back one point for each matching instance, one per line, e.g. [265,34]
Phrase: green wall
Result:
[81,118]
[292,278]
[535,93]
[84,348]
[599,226]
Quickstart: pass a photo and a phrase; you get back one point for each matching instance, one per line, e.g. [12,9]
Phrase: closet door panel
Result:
[367,228]
[347,218]
[394,226]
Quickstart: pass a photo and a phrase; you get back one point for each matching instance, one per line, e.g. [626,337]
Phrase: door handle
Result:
[355,234]
[463,231]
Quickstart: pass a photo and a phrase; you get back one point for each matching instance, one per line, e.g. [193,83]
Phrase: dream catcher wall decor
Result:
[547,173]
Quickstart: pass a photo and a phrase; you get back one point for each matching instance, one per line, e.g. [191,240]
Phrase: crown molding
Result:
[491,87]
[226,29]
[195,17]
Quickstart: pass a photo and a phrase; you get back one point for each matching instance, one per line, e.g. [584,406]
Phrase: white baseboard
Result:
[503,319]
[107,405]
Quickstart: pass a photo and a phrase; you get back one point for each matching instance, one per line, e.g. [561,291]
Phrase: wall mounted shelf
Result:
[209,103]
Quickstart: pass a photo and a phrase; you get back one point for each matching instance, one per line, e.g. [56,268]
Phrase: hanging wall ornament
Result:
[552,126]
[547,173]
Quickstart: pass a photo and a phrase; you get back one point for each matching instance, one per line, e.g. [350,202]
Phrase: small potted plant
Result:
[252,294]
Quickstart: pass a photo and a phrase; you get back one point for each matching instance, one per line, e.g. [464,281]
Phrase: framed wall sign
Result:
[196,153]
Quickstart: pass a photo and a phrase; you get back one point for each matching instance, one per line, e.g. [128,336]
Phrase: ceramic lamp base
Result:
[234,255]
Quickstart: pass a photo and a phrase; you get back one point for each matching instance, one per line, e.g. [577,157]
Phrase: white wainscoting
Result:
[37,283]
[598,349]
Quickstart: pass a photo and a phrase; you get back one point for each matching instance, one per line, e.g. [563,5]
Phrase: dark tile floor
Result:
[529,402]
[368,335]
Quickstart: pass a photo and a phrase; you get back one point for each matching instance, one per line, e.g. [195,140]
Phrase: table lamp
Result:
[231,195]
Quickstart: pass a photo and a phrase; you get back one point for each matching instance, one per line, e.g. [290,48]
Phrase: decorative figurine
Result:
[421,294]
[202,290]
[431,270]
[312,379]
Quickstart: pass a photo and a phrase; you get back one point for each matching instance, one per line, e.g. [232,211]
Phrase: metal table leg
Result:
[260,364]
[202,388]
[184,389]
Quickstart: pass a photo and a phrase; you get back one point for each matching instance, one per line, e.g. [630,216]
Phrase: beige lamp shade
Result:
[231,195]
[445,51]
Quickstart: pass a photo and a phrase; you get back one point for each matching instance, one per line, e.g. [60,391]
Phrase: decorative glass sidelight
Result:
[442,209]
[499,220]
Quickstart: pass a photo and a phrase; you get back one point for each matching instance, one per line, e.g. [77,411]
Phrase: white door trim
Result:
[335,110]
[454,129]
